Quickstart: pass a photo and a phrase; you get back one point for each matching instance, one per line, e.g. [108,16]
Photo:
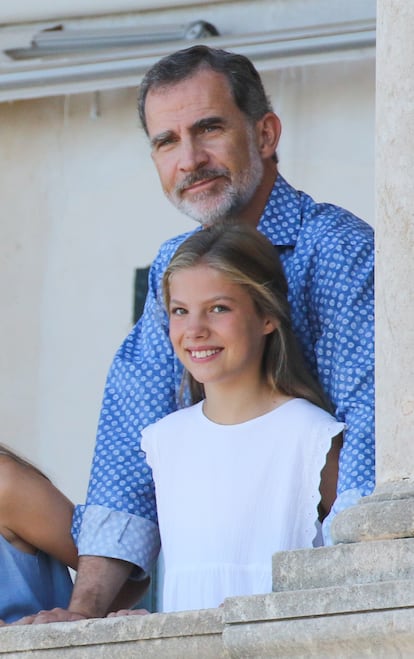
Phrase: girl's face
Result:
[214,327]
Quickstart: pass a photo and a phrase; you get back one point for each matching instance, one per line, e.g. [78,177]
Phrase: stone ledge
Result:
[346,601]
[384,634]
[317,602]
[347,622]
[185,634]
[376,518]
[346,564]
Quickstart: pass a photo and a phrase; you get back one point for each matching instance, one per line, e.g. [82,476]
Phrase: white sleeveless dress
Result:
[230,496]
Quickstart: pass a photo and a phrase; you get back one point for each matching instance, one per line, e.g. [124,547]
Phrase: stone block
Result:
[346,564]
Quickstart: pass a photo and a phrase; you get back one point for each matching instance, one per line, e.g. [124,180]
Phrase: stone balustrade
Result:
[328,602]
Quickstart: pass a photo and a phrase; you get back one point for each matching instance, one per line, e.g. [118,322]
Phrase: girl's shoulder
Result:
[172,425]
[10,474]
[178,417]
[305,411]
[15,478]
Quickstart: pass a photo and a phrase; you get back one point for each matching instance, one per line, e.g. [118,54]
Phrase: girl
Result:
[35,540]
[242,478]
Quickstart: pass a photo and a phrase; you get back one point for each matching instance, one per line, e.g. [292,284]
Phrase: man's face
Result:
[205,150]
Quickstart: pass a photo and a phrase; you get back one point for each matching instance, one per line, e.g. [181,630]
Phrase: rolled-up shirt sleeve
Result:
[121,535]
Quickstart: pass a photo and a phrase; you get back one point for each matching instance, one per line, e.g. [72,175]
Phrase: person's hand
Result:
[54,615]
[128,612]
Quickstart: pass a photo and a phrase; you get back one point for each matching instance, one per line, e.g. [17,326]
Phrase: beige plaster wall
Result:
[74,227]
[82,208]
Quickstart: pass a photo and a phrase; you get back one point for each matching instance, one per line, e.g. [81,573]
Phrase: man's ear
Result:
[268,134]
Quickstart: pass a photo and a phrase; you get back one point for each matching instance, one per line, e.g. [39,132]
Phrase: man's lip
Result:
[200,184]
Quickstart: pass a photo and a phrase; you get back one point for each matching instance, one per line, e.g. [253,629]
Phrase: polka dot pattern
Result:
[328,257]
[327,254]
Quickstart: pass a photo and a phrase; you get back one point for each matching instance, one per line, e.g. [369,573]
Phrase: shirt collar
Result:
[281,218]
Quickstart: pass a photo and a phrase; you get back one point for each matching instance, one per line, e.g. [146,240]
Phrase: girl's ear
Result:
[270,325]
[268,133]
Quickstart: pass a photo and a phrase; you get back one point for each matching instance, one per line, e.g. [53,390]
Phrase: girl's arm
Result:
[34,514]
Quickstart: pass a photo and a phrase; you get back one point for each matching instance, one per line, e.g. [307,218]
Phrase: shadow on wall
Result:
[140,292]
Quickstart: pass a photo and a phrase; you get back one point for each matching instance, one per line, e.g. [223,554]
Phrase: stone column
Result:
[389,512]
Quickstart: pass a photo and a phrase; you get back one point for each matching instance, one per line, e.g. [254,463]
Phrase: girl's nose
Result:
[196,328]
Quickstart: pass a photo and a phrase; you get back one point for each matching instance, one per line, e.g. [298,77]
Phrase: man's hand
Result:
[100,581]
[54,615]
[128,612]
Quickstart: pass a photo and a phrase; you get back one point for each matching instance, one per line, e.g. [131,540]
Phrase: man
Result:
[213,138]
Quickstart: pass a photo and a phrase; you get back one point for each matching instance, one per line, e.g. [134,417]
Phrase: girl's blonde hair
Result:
[246,257]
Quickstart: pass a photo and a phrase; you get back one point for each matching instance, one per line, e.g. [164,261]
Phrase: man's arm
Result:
[130,594]
[101,586]
[98,584]
[344,302]
[331,276]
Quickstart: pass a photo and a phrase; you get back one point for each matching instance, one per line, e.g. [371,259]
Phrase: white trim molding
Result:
[41,60]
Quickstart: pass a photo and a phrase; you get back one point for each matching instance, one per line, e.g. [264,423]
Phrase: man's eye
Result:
[164,143]
[211,128]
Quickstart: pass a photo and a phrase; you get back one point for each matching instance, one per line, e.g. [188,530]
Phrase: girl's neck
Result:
[238,406]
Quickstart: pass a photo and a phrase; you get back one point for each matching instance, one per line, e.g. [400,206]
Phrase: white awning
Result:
[57,57]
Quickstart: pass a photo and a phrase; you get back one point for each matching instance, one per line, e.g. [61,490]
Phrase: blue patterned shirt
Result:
[328,257]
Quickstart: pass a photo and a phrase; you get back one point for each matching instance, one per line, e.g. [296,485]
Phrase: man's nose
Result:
[192,154]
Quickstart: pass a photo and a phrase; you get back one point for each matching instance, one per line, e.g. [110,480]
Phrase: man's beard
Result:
[211,208]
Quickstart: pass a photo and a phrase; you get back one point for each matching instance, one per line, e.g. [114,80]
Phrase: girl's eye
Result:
[177,311]
[219,308]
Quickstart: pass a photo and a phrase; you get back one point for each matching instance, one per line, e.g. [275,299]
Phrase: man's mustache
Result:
[201,175]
